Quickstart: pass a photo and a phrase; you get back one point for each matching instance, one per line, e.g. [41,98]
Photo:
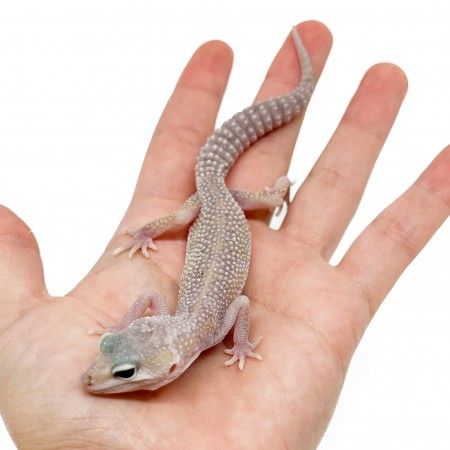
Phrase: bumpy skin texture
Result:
[312,313]
[149,352]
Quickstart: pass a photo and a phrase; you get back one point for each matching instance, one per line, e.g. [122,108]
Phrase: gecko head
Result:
[144,356]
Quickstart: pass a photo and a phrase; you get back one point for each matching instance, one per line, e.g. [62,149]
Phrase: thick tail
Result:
[229,141]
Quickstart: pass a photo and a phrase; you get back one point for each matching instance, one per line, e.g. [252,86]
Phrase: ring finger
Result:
[329,197]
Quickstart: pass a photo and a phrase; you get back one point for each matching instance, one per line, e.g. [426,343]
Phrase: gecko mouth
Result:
[113,386]
[120,384]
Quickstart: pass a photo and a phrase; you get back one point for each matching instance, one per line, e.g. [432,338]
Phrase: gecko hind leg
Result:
[143,238]
[270,197]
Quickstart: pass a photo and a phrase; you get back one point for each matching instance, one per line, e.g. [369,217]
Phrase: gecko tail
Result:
[229,141]
[305,62]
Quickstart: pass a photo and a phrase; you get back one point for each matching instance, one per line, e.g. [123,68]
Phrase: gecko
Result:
[146,352]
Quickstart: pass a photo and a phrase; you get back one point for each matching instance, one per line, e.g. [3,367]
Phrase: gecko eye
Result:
[124,371]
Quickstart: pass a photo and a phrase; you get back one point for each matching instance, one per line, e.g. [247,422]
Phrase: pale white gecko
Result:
[148,352]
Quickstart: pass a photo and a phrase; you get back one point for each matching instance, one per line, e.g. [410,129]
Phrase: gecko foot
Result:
[282,188]
[241,351]
[141,240]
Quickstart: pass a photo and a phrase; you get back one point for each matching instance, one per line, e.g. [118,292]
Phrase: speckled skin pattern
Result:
[149,352]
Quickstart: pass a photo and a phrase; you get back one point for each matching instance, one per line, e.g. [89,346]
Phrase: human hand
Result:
[311,314]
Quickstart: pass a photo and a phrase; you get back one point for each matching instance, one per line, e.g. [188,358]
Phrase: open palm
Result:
[311,314]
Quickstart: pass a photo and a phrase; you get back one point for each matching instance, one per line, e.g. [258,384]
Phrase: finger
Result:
[186,122]
[21,273]
[384,250]
[329,197]
[269,158]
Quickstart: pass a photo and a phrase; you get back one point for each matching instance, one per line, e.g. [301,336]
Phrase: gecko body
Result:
[149,352]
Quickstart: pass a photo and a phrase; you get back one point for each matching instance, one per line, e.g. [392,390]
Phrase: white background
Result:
[82,84]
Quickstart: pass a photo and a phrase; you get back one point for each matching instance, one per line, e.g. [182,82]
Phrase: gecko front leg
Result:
[150,299]
[237,314]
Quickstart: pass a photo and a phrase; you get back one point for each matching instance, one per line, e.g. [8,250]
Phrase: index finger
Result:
[186,122]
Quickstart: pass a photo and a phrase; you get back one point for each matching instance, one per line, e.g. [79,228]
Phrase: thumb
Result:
[21,271]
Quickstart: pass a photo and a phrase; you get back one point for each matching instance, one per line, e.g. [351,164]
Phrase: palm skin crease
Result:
[311,313]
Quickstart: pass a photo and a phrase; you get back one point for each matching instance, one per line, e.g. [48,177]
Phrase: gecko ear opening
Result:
[125,371]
